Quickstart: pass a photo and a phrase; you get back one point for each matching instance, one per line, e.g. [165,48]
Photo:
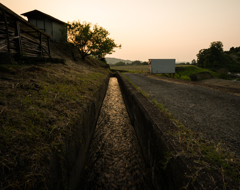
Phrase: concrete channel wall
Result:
[68,170]
[167,171]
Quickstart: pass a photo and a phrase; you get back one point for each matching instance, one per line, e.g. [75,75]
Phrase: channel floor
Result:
[115,159]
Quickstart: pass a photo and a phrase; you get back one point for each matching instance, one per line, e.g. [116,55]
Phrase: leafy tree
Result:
[101,43]
[216,49]
[211,57]
[90,40]
[201,57]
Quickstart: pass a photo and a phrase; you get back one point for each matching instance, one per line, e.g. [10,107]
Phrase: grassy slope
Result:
[38,106]
[188,71]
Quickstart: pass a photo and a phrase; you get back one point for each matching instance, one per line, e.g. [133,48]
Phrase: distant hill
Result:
[112,61]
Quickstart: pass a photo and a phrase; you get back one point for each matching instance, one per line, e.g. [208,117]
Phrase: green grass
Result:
[191,70]
[204,153]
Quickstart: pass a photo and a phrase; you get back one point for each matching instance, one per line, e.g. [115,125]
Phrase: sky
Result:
[160,29]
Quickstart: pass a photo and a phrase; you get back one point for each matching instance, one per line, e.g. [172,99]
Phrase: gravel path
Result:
[115,160]
[213,113]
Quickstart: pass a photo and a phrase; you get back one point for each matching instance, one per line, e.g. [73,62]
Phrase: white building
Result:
[161,65]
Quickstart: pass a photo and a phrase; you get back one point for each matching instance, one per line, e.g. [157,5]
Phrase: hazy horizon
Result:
[151,29]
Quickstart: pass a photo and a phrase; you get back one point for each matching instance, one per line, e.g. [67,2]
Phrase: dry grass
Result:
[38,108]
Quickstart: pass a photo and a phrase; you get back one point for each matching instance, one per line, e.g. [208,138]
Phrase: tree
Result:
[101,43]
[216,49]
[201,57]
[90,40]
[211,57]
[194,62]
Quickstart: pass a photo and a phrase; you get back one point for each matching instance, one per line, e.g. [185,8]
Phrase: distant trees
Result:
[144,63]
[234,49]
[194,62]
[90,40]
[215,58]
[120,63]
[137,62]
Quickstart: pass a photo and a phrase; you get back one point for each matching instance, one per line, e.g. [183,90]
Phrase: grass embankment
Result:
[209,160]
[191,72]
[39,106]
[186,72]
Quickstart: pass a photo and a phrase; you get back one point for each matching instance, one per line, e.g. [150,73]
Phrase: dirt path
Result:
[213,113]
[115,160]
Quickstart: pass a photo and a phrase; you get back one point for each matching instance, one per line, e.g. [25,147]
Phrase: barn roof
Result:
[22,20]
[40,15]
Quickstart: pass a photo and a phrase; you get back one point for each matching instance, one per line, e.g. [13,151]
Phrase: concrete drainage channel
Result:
[115,159]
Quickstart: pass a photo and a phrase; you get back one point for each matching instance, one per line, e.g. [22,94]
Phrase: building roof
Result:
[38,14]
[22,20]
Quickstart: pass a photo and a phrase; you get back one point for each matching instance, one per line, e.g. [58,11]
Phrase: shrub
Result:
[185,78]
[193,77]
[223,75]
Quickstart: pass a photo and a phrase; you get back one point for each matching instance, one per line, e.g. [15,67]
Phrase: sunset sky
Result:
[175,29]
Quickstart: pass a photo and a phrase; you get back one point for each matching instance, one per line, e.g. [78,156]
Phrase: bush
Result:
[223,75]
[185,78]
[193,77]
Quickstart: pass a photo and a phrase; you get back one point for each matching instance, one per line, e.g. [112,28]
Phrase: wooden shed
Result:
[52,26]
[19,37]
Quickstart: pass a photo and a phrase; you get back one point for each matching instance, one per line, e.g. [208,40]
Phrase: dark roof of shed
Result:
[38,14]
[10,12]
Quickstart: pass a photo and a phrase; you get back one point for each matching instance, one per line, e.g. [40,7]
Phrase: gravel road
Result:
[115,160]
[215,114]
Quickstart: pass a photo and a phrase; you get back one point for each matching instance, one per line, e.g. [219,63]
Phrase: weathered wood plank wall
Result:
[20,38]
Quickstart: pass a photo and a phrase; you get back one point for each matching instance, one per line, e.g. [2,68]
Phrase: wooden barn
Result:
[52,26]
[20,38]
